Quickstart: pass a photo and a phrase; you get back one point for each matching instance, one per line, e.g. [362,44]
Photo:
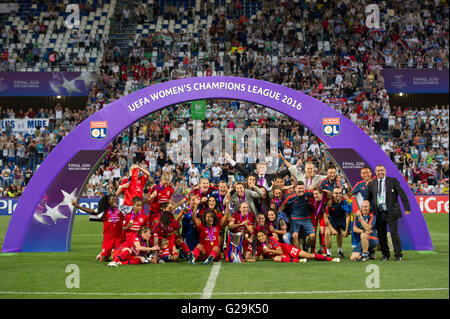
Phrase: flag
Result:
[198,110]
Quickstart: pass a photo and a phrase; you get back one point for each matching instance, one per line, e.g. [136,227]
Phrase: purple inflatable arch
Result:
[339,133]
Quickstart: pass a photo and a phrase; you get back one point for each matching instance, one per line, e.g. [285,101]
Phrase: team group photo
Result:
[224,149]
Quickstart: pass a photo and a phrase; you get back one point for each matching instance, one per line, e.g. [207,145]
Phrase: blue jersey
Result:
[362,189]
[299,205]
[189,232]
[370,219]
[328,185]
[338,211]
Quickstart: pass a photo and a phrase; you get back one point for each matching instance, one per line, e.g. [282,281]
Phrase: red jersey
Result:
[164,194]
[272,244]
[136,187]
[316,208]
[237,218]
[201,193]
[112,224]
[209,236]
[138,221]
[160,231]
[129,243]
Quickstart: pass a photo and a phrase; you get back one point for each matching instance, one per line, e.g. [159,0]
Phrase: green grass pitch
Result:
[45,275]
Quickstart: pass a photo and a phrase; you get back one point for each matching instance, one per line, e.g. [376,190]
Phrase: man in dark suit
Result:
[383,194]
[263,179]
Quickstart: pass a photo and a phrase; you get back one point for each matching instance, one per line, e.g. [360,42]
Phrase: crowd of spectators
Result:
[346,75]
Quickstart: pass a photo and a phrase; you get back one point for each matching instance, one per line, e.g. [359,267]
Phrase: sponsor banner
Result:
[433,203]
[416,80]
[8,204]
[45,83]
[24,126]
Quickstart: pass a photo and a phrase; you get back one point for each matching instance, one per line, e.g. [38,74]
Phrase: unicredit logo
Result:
[433,204]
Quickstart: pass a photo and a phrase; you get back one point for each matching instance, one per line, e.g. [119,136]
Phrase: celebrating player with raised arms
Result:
[133,251]
[269,247]
[133,186]
[209,227]
[112,217]
[203,191]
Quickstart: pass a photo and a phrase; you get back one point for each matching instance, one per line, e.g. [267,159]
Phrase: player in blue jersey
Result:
[337,219]
[331,181]
[300,215]
[360,191]
[365,226]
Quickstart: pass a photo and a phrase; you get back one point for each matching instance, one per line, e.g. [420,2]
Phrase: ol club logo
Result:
[99,129]
[331,126]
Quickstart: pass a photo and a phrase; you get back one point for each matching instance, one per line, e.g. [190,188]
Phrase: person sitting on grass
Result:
[132,252]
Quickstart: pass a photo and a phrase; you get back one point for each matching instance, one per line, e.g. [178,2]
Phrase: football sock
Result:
[329,251]
[196,252]
[134,261]
[285,259]
[340,249]
[214,254]
[322,258]
[123,256]
[185,248]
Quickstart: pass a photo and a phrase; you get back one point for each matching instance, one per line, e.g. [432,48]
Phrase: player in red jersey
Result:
[243,221]
[133,186]
[167,252]
[209,227]
[134,220]
[168,227]
[317,204]
[203,190]
[157,195]
[269,247]
[133,251]
[112,224]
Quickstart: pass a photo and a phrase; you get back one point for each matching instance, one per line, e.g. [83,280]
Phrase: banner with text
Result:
[415,80]
[24,126]
[46,83]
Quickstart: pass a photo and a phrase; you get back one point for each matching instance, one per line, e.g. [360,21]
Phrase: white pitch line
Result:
[208,291]
[215,293]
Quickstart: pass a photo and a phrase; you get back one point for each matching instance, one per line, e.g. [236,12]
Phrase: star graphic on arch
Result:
[54,213]
[68,199]
[39,218]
